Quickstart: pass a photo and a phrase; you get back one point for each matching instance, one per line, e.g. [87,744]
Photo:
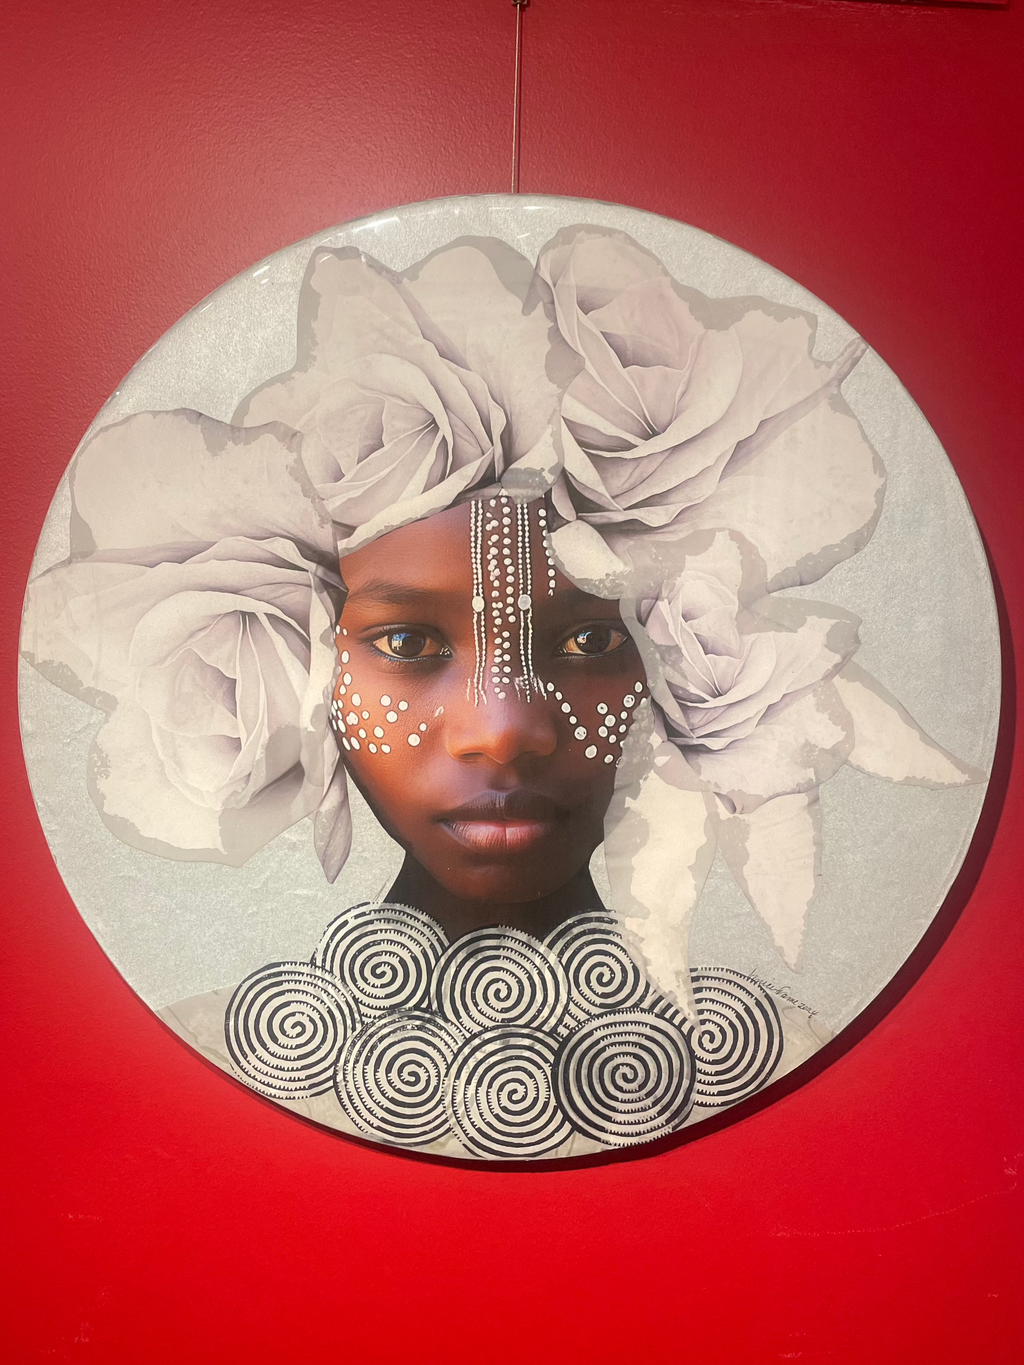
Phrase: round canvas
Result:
[509,678]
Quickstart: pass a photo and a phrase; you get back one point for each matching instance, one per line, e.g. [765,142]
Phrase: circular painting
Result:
[509,678]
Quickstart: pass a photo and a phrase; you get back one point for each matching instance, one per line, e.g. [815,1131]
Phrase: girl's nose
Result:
[501,731]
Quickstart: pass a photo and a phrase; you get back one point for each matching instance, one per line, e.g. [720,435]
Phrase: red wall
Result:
[157,1212]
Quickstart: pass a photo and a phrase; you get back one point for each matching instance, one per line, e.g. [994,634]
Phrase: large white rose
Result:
[197,609]
[745,678]
[692,412]
[412,389]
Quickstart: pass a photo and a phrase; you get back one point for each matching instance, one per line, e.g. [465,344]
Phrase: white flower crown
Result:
[697,459]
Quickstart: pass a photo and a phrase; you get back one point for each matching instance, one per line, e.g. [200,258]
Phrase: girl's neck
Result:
[415,886]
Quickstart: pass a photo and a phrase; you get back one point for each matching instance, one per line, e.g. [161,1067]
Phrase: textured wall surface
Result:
[158,1213]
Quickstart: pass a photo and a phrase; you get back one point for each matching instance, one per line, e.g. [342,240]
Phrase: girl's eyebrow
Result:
[382,592]
[386,594]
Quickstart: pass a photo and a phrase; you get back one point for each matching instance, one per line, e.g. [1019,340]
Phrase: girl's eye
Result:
[591,640]
[408,644]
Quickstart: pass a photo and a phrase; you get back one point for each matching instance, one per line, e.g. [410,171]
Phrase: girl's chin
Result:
[494,881]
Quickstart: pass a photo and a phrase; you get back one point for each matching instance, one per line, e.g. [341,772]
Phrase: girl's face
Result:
[499,796]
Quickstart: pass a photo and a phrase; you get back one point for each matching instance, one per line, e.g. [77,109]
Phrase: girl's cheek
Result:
[368,720]
[598,726]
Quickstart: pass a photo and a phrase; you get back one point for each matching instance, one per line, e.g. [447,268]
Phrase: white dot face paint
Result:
[609,727]
[370,722]
[502,608]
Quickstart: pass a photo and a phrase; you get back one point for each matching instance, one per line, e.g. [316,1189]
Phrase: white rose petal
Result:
[889,743]
[774,853]
[793,748]
[808,499]
[728,665]
[170,482]
[659,847]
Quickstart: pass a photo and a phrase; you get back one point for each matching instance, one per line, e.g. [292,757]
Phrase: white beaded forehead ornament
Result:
[501,559]
[509,582]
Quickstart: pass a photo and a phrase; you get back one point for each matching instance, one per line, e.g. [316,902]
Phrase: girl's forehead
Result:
[434,551]
[429,564]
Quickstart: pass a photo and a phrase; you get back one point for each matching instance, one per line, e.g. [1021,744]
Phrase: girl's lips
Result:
[499,836]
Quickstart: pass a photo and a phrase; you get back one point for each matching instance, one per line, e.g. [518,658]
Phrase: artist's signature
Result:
[783,994]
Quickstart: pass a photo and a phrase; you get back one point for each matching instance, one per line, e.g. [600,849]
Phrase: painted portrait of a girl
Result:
[514,554]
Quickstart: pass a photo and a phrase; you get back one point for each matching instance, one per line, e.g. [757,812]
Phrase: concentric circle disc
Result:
[600,972]
[391,1077]
[625,1077]
[285,1026]
[737,1039]
[383,954]
[501,1099]
[495,977]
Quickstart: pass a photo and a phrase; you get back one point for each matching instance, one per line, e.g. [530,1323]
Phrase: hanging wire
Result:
[520,6]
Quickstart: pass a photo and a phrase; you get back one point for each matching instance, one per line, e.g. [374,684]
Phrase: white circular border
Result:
[175,929]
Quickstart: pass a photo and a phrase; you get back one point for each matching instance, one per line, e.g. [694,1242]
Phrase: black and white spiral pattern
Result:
[597,965]
[383,955]
[284,1027]
[625,1077]
[737,1039]
[501,1099]
[391,1077]
[501,976]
